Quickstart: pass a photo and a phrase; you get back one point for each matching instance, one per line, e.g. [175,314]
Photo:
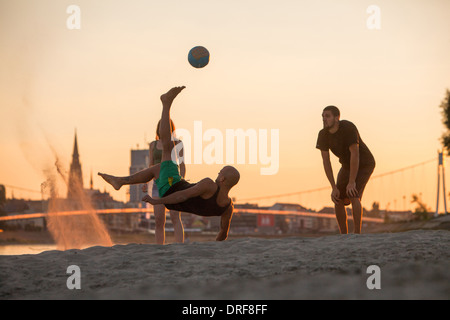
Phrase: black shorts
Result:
[362,178]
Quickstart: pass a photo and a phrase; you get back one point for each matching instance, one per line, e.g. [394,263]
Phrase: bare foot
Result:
[168,97]
[114,181]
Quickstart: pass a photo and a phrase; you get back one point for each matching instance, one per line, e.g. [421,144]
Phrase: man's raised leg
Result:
[164,126]
[148,174]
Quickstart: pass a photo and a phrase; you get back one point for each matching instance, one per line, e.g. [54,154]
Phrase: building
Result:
[75,183]
[79,198]
[399,216]
[294,223]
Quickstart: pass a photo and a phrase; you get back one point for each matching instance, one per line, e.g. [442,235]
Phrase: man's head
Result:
[228,177]
[330,117]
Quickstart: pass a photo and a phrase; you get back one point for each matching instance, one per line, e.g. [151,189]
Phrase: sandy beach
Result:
[413,265]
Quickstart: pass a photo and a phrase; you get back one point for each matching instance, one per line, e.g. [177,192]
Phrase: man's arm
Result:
[354,165]
[225,221]
[329,173]
[328,168]
[203,187]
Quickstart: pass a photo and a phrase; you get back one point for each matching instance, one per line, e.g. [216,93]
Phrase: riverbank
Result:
[44,237]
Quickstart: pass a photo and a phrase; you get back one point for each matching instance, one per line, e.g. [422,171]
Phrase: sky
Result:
[274,65]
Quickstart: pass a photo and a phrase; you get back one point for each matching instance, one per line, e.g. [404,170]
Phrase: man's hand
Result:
[335,194]
[222,236]
[150,200]
[351,190]
[225,221]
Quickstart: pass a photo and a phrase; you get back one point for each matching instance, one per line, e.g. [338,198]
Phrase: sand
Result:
[413,265]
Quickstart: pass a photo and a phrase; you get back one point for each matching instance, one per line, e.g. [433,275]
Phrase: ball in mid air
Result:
[198,57]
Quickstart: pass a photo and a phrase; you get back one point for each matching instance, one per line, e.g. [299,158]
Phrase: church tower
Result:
[75,185]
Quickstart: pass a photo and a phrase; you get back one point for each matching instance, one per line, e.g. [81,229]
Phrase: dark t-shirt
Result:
[196,205]
[340,142]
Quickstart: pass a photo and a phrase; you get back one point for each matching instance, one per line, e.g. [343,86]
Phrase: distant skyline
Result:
[412,179]
[274,66]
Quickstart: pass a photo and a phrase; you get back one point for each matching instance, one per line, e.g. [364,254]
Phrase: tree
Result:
[375,211]
[375,207]
[445,106]
[421,211]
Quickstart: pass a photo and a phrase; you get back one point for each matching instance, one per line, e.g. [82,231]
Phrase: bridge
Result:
[389,189]
[13,217]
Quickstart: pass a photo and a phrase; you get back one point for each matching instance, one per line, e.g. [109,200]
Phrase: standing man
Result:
[159,210]
[343,139]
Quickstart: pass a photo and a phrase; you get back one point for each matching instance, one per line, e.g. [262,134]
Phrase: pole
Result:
[443,183]
[441,169]
[438,183]
[443,186]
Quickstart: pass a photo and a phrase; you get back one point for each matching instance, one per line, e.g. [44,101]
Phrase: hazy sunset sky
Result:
[274,65]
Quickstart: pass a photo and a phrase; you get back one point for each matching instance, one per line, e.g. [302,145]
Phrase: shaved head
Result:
[231,176]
